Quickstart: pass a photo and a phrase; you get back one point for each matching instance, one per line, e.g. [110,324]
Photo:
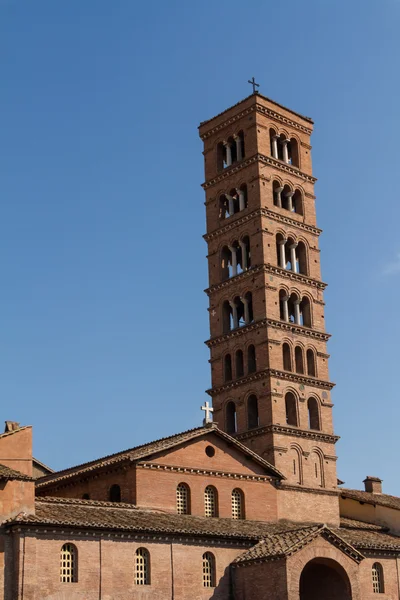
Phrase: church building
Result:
[248,506]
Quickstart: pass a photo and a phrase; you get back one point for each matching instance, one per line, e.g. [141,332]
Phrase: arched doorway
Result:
[324,579]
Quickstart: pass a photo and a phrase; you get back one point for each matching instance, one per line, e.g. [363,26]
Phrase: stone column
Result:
[282,253]
[285,151]
[246,310]
[234,314]
[278,192]
[244,255]
[234,260]
[297,315]
[293,257]
[285,300]
[289,197]
[275,139]
[238,142]
[228,153]
[231,210]
[242,204]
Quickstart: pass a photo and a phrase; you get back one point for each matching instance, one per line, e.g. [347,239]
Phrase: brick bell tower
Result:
[269,363]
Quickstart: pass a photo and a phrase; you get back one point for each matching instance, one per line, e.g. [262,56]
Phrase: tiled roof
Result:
[369,498]
[364,539]
[7,473]
[147,450]
[355,524]
[279,544]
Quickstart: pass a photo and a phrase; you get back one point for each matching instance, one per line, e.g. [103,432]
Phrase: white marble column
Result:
[285,151]
[233,260]
[234,314]
[242,203]
[228,151]
[289,196]
[293,257]
[238,142]
[285,301]
[275,139]
[246,310]
[297,314]
[231,209]
[282,253]
[244,255]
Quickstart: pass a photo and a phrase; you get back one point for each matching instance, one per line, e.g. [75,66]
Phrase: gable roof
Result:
[146,450]
[12,474]
[283,544]
[369,498]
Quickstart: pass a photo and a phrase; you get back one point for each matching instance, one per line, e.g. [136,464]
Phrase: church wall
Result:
[157,489]
[16,450]
[16,496]
[308,506]
[390,573]
[381,515]
[260,580]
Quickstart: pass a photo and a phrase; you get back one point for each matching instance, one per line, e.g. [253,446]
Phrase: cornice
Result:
[272,114]
[209,473]
[283,325]
[266,373]
[263,212]
[302,488]
[257,269]
[290,431]
[267,160]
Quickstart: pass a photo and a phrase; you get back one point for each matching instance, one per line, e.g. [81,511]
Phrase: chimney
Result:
[11,426]
[373,485]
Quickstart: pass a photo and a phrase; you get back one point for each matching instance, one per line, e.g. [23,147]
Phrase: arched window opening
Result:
[142,567]
[243,255]
[231,425]
[313,414]
[274,143]
[287,359]
[239,364]
[289,307]
[317,474]
[298,357]
[287,198]
[239,139]
[283,148]
[251,359]
[209,578]
[237,504]
[69,564]
[295,461]
[252,412]
[243,199]
[221,155]
[290,255]
[115,493]
[301,258]
[310,363]
[277,189]
[293,152]
[210,502]
[227,367]
[226,263]
[224,207]
[378,585]
[227,317]
[305,312]
[297,202]
[291,409]
[245,310]
[183,499]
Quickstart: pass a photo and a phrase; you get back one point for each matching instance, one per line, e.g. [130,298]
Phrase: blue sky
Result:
[102,216]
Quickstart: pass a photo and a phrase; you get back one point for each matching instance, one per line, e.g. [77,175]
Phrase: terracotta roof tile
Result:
[146,450]
[362,539]
[355,524]
[8,473]
[369,498]
[279,544]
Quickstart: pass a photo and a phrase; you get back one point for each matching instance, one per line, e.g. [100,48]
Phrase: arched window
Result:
[274,143]
[251,359]
[227,367]
[316,464]
[287,359]
[310,363]
[305,312]
[378,584]
[291,409]
[208,570]
[243,254]
[237,500]
[296,465]
[297,202]
[301,259]
[69,564]
[85,497]
[313,414]
[183,499]
[142,567]
[239,364]
[224,207]
[298,357]
[252,412]
[115,493]
[227,320]
[231,426]
[293,152]
[220,156]
[226,263]
[210,502]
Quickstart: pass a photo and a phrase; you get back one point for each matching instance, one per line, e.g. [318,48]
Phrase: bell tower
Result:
[269,363]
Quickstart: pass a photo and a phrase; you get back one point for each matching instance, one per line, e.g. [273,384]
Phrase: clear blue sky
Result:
[102,216]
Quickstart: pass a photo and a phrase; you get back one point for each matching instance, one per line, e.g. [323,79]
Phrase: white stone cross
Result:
[208,412]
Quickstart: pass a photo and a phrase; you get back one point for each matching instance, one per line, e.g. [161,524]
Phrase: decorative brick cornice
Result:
[289,327]
[236,279]
[291,431]
[209,473]
[266,160]
[268,373]
[264,212]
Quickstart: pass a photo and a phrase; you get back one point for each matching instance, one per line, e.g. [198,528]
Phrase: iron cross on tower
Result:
[254,84]
[208,412]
